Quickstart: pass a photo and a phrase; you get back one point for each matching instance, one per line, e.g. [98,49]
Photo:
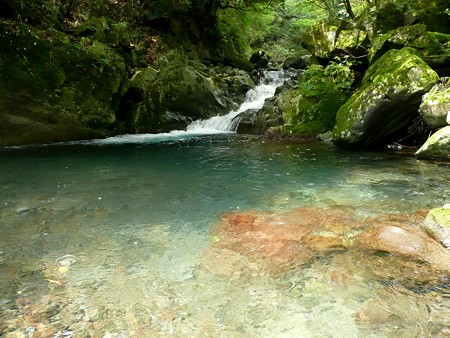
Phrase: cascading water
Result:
[254,99]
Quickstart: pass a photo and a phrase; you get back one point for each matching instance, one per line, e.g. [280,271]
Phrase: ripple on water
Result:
[168,252]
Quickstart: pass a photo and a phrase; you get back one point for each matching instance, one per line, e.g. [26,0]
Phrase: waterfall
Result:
[254,99]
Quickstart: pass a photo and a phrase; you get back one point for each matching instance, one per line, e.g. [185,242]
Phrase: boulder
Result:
[435,106]
[300,61]
[320,39]
[259,60]
[434,14]
[381,20]
[387,101]
[437,225]
[174,96]
[54,89]
[353,42]
[405,242]
[415,36]
[437,146]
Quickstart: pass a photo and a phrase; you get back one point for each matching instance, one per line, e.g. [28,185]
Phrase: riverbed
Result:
[124,238]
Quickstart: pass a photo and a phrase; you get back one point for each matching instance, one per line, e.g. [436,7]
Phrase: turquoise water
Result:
[114,239]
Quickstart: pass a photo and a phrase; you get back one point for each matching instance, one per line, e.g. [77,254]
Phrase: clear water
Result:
[117,239]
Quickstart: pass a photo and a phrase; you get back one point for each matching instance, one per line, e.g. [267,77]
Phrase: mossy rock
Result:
[437,146]
[320,39]
[435,106]
[57,90]
[179,93]
[387,101]
[383,19]
[307,110]
[437,225]
[415,36]
[432,13]
[311,108]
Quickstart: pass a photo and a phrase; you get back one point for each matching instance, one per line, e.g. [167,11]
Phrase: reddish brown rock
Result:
[407,242]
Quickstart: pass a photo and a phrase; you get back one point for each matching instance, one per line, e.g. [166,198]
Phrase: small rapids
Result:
[254,99]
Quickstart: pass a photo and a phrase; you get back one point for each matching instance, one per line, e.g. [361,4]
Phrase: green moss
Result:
[312,107]
[396,75]
[415,36]
[441,216]
[54,82]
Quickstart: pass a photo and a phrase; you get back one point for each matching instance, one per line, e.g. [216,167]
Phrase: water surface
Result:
[116,238]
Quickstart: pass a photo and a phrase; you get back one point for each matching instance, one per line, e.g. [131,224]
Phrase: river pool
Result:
[119,238]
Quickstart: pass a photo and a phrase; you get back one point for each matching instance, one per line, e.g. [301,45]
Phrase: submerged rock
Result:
[406,242]
[387,101]
[437,146]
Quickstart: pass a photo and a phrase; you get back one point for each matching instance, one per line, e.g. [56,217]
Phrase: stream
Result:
[138,236]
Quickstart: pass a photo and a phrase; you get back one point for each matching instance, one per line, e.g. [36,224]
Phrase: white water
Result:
[254,99]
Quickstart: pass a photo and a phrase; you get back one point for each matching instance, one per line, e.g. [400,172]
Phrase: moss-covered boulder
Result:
[437,225]
[177,94]
[54,89]
[381,20]
[435,107]
[437,146]
[320,39]
[353,42]
[433,13]
[415,36]
[387,101]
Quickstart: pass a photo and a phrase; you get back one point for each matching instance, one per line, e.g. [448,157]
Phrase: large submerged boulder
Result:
[437,146]
[435,106]
[53,89]
[387,102]
[405,242]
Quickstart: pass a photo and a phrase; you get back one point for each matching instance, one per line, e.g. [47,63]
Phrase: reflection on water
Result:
[127,240]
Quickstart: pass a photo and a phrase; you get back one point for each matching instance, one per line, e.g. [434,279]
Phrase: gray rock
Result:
[436,106]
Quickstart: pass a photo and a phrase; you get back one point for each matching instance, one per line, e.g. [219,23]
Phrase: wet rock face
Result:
[172,97]
[387,102]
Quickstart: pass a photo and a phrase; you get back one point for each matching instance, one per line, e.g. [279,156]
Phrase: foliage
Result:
[314,104]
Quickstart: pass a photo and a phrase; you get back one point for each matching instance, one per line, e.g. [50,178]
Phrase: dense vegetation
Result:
[81,68]
[231,28]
